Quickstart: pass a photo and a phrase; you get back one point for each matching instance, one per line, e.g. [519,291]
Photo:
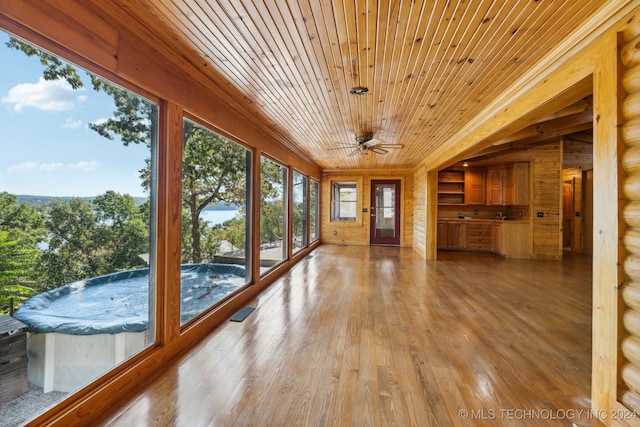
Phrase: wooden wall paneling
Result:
[84,31]
[577,154]
[343,232]
[407,214]
[357,233]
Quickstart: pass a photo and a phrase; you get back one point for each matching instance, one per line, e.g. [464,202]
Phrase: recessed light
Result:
[358,90]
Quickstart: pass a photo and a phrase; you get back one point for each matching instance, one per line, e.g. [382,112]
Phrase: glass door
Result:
[385,212]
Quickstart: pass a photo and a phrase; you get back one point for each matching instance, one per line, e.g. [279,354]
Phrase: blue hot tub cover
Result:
[119,302]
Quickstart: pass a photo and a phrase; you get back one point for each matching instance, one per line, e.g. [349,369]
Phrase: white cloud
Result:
[45,95]
[51,167]
[22,167]
[83,166]
[69,123]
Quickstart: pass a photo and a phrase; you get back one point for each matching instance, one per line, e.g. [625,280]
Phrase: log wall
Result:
[629,393]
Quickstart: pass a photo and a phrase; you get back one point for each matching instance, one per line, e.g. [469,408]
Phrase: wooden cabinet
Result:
[13,355]
[516,240]
[456,235]
[475,186]
[510,239]
[508,185]
[516,184]
[479,236]
[451,186]
[495,185]
[496,238]
[442,235]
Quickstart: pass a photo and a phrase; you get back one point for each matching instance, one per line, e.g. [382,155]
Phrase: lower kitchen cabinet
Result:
[510,239]
[456,235]
[496,238]
[479,236]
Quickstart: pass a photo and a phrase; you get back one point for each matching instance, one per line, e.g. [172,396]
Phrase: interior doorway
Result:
[587,180]
[385,212]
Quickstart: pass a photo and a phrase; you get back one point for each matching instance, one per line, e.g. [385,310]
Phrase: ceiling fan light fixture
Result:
[358,90]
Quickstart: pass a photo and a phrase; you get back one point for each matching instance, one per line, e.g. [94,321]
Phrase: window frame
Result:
[337,185]
[305,213]
[286,175]
[314,232]
[249,169]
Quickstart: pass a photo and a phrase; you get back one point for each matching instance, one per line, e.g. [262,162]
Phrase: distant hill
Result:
[47,200]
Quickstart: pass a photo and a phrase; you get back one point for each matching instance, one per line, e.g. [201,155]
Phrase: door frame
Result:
[390,241]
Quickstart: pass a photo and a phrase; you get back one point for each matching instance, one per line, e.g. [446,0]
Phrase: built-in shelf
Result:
[451,187]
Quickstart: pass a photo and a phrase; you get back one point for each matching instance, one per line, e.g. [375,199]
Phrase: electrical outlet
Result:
[475,212]
[540,214]
[335,232]
[520,213]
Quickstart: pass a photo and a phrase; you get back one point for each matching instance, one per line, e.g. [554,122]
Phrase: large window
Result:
[299,211]
[273,213]
[77,218]
[344,201]
[215,232]
[314,211]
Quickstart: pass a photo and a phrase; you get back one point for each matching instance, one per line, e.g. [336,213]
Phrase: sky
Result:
[46,147]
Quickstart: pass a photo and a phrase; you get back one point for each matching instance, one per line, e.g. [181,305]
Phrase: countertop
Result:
[456,219]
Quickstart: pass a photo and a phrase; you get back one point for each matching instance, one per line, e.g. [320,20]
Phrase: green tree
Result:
[21,231]
[72,253]
[17,282]
[122,232]
[213,172]
[23,222]
[214,168]
[272,209]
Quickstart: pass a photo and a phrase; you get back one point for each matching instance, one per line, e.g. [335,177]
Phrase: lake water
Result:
[217,217]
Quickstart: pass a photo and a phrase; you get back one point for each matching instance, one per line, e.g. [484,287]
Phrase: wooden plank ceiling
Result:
[429,66]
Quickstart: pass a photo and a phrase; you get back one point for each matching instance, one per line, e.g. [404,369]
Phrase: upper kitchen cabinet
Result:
[516,184]
[495,185]
[508,184]
[475,186]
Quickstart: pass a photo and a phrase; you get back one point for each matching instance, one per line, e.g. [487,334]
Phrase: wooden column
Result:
[169,231]
[432,214]
[419,211]
[608,228]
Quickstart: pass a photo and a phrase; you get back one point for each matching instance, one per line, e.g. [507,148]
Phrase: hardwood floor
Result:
[378,336]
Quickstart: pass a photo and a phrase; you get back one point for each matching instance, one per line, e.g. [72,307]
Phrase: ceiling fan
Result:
[367,143]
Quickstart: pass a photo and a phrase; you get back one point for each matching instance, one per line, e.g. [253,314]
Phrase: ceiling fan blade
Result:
[391,146]
[354,152]
[373,142]
[378,150]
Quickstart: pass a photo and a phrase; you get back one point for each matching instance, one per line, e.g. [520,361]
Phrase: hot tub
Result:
[82,329]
